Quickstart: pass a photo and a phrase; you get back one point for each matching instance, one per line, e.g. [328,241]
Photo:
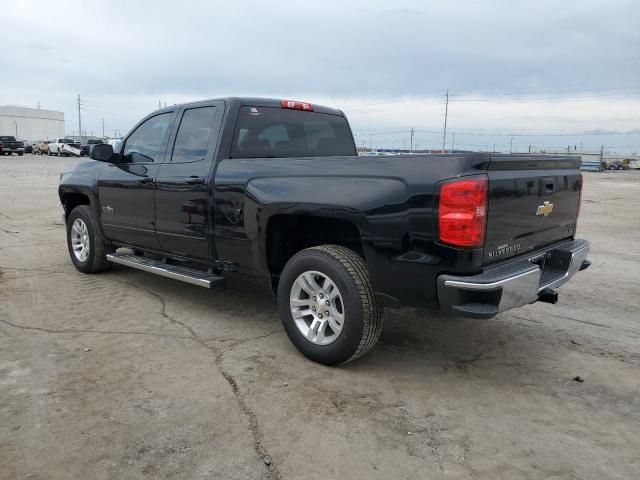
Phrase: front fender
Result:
[81,179]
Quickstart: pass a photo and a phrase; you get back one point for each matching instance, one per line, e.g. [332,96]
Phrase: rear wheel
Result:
[328,306]
[87,249]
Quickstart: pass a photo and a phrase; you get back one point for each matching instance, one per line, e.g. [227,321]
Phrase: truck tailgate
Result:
[533,201]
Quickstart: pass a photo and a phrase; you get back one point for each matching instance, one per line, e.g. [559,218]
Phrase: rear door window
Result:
[194,133]
[269,132]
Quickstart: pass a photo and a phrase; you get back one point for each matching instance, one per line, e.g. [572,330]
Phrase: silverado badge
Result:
[545,209]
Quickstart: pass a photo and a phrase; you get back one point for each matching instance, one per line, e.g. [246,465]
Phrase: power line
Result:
[547,96]
[506,134]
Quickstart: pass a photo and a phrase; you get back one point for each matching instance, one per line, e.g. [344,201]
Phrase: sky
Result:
[545,73]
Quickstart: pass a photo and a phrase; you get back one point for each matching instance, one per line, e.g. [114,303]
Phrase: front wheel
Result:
[328,306]
[87,249]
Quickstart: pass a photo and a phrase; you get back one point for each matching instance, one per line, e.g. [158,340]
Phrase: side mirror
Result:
[102,152]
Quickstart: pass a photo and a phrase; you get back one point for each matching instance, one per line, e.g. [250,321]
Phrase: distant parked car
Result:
[86,148]
[55,147]
[40,147]
[9,145]
[28,146]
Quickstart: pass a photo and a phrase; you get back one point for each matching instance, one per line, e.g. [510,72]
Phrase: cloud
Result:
[123,56]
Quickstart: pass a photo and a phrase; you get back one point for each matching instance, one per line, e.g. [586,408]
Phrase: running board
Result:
[188,275]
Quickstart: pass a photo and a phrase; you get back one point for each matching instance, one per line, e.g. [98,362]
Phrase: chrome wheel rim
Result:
[317,307]
[80,239]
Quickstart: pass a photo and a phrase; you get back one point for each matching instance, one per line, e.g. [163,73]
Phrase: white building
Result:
[31,123]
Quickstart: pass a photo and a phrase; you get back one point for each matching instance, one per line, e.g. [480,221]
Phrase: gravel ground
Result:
[127,375]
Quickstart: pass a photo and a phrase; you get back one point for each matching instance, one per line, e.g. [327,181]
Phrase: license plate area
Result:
[553,264]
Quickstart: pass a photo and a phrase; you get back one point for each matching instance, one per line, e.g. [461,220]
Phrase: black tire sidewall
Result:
[347,343]
[82,212]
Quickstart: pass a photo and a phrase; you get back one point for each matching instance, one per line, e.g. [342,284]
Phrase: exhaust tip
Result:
[548,296]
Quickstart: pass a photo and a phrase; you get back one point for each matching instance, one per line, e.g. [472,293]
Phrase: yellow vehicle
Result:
[40,148]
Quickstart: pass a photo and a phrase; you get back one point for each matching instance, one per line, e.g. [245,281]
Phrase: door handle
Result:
[193,180]
[144,180]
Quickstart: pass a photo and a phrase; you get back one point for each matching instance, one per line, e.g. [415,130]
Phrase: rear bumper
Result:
[512,283]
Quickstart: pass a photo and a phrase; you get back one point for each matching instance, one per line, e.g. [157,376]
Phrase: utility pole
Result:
[411,143]
[38,105]
[511,145]
[529,148]
[159,105]
[494,148]
[79,116]
[601,155]
[103,128]
[453,140]
[446,112]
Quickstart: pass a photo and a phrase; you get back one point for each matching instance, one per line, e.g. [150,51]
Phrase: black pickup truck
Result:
[9,145]
[275,190]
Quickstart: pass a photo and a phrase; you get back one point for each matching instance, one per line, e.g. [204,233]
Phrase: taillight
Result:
[294,105]
[462,212]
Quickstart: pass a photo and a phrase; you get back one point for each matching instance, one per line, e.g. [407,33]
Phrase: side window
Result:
[193,135]
[147,142]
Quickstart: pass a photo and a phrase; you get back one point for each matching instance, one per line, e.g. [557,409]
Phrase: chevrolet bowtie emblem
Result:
[545,209]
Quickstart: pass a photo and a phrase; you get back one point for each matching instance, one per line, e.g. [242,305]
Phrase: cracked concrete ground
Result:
[127,375]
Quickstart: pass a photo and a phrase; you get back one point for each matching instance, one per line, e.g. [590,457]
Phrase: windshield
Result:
[267,132]
[7,139]
[67,140]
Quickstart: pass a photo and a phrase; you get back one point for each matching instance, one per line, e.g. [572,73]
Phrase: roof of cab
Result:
[259,102]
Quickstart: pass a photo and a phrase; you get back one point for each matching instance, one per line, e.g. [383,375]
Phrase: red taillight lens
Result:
[462,212]
[292,104]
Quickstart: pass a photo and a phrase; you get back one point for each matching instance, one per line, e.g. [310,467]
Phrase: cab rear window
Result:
[268,132]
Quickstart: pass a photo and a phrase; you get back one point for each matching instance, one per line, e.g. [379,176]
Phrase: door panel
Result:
[184,222]
[126,189]
[127,201]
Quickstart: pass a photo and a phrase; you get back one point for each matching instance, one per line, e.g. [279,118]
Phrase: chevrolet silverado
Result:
[274,189]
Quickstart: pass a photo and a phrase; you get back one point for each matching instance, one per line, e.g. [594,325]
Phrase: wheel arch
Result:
[288,233]
[72,196]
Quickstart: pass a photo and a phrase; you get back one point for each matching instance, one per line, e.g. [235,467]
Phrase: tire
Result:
[96,258]
[361,313]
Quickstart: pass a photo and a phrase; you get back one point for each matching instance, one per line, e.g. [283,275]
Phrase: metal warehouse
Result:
[31,123]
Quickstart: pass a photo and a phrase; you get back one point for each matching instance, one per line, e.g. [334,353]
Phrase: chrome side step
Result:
[188,275]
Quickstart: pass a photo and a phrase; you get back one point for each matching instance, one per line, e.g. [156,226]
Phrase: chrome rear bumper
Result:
[512,283]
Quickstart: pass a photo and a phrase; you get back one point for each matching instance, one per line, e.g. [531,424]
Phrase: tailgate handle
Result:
[547,186]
